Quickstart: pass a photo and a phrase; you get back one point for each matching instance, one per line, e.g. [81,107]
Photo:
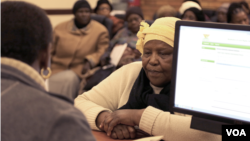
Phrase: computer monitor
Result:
[211,74]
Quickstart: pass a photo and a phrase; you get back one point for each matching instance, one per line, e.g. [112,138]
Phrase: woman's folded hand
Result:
[126,117]
[123,132]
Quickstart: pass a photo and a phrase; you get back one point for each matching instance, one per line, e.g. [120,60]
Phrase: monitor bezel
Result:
[174,70]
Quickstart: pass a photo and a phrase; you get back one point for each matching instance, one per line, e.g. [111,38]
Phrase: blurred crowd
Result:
[82,46]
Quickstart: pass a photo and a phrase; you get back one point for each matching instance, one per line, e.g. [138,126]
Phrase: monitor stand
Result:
[207,125]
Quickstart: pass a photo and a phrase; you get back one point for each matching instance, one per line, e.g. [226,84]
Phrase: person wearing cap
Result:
[237,15]
[133,18]
[137,94]
[104,8]
[127,35]
[77,47]
[193,14]
[221,13]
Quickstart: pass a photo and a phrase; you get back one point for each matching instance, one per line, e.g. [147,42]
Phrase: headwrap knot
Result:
[141,36]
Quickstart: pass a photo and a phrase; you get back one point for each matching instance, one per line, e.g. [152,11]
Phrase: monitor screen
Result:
[213,72]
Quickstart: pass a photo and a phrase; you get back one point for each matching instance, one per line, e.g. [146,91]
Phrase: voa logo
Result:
[236,132]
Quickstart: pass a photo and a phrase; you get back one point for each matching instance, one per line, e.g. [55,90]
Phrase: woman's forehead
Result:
[156,44]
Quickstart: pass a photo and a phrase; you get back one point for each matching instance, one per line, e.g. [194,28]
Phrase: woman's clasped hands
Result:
[119,124]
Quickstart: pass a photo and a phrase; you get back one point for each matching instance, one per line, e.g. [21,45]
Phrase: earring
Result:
[46,76]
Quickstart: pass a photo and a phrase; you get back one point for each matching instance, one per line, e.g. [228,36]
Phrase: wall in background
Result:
[149,7]
[57,5]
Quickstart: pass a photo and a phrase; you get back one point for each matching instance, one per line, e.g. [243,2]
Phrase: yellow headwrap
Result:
[162,29]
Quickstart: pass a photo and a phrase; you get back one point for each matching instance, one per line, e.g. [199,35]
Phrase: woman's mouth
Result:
[154,73]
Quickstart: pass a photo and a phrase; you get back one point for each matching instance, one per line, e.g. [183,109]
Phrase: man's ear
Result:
[44,58]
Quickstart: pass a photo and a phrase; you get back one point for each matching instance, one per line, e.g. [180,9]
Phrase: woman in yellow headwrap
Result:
[138,93]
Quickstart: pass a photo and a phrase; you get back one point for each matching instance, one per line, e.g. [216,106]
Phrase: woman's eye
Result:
[146,52]
[162,53]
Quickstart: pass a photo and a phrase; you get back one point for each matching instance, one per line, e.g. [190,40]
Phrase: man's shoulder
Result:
[59,101]
[54,116]
[122,32]
[98,26]
[58,106]
[52,102]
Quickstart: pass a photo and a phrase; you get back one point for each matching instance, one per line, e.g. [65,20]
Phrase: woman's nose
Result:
[153,60]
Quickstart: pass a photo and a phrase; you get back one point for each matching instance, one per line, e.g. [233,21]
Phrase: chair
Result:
[120,16]
[104,21]
[150,22]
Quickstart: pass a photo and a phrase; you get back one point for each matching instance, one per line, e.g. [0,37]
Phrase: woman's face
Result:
[189,16]
[134,22]
[104,10]
[157,62]
[240,18]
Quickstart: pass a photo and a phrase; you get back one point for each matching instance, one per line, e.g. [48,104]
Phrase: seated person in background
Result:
[28,111]
[128,35]
[133,18]
[245,6]
[193,14]
[237,15]
[129,55]
[221,14]
[104,8]
[189,4]
[77,47]
[143,89]
[166,11]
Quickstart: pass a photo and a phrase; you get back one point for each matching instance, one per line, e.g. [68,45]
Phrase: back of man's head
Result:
[26,30]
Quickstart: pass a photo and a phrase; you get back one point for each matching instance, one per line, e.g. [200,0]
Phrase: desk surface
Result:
[101,136]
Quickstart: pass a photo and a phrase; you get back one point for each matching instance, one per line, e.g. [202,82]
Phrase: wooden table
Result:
[101,136]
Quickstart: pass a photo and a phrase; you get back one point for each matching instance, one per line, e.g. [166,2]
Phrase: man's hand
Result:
[123,132]
[126,117]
